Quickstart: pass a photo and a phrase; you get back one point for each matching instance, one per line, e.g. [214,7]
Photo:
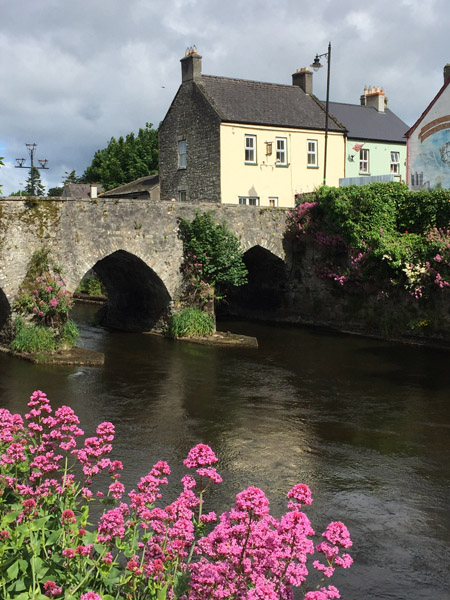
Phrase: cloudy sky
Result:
[74,73]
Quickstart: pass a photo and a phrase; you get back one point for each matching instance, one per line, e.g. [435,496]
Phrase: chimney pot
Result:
[93,190]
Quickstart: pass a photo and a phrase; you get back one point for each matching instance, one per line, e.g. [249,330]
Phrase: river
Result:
[365,423]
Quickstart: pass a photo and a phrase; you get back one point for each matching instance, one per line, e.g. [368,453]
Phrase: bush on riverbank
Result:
[380,239]
[138,550]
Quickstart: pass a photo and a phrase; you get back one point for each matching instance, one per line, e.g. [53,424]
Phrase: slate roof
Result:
[139,188]
[367,123]
[259,103]
[78,190]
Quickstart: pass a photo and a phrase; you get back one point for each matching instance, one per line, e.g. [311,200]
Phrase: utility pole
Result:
[20,164]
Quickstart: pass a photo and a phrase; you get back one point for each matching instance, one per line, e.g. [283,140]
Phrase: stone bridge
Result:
[133,245]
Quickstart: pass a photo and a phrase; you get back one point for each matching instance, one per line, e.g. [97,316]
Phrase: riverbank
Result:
[220,338]
[73,356]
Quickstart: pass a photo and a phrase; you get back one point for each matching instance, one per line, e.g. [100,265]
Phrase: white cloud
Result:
[74,74]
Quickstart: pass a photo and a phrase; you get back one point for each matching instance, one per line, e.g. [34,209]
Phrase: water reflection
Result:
[364,423]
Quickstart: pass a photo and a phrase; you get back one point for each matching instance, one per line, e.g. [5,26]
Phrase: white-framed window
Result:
[281,160]
[250,200]
[182,154]
[395,163]
[364,161]
[273,201]
[250,149]
[311,153]
[182,197]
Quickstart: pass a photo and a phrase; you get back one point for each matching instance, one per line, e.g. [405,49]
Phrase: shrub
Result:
[212,257]
[137,550]
[191,322]
[44,300]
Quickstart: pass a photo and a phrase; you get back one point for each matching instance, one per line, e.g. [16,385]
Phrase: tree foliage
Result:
[34,186]
[212,253]
[125,159]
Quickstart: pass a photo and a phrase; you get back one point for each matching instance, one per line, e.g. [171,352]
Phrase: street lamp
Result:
[316,66]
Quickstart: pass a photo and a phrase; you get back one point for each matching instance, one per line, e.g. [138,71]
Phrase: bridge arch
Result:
[137,297]
[262,294]
[5,309]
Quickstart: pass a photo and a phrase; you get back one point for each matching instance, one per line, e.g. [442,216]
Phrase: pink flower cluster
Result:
[137,544]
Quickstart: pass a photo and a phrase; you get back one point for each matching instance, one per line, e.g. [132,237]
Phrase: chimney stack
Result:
[93,190]
[375,98]
[446,72]
[191,65]
[303,78]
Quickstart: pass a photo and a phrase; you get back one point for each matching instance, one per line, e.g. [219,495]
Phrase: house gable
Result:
[429,143]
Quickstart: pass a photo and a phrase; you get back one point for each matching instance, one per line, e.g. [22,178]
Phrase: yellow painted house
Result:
[235,141]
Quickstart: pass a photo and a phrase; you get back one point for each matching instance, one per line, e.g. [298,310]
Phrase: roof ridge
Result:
[285,85]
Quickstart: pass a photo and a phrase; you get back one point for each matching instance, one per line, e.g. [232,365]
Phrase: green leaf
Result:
[162,593]
[13,570]
[10,517]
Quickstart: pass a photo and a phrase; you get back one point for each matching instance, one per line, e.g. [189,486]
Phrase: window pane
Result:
[182,154]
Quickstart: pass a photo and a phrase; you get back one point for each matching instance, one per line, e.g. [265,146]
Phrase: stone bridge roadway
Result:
[133,245]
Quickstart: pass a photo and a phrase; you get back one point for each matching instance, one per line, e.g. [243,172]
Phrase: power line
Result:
[43,164]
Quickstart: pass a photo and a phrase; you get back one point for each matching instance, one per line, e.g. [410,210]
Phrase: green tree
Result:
[125,159]
[213,257]
[34,185]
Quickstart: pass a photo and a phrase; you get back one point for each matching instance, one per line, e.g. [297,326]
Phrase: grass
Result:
[191,322]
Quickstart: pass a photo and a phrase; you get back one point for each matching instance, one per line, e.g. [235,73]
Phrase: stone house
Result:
[237,141]
[376,142]
[428,143]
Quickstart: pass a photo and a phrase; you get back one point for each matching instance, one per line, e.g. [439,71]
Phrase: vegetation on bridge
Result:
[380,239]
[212,259]
[42,306]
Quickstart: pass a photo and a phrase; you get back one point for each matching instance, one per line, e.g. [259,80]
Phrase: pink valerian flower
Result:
[200,455]
[337,533]
[112,524]
[84,550]
[210,473]
[327,593]
[10,424]
[68,517]
[148,487]
[91,596]
[188,482]
[51,589]
[117,489]
[300,494]
[254,501]
[208,517]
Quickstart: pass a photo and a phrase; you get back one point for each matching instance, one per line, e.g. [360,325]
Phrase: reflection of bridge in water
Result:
[133,246]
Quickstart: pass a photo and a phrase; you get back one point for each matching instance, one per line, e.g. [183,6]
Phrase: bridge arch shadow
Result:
[137,297]
[5,309]
[262,294]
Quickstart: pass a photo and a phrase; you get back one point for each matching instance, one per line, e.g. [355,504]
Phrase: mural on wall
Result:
[430,165]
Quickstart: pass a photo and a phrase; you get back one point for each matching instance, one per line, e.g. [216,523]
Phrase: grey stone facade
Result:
[190,118]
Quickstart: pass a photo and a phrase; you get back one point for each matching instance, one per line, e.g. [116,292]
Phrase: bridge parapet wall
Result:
[81,232]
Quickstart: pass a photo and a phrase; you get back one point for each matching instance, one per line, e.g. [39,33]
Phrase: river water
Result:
[366,424]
